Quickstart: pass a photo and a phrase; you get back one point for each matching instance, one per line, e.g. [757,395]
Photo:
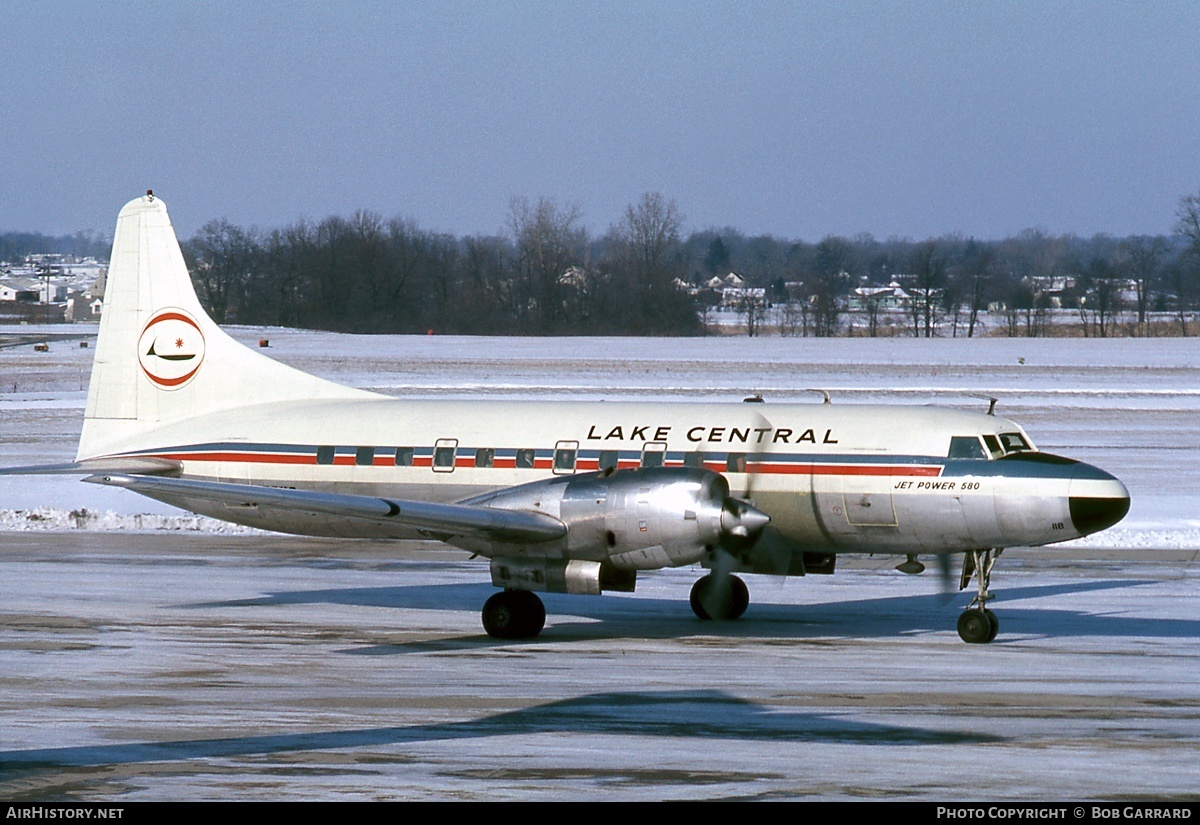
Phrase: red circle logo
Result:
[171,348]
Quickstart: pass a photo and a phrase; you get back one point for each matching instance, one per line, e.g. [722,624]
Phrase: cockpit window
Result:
[965,446]
[1014,443]
[993,445]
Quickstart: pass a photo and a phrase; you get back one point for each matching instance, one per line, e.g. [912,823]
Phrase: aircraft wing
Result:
[516,526]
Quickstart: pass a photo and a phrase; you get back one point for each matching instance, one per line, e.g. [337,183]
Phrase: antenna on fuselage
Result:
[824,393]
[991,402]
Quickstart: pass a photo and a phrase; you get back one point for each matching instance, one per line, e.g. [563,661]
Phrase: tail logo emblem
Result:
[171,348]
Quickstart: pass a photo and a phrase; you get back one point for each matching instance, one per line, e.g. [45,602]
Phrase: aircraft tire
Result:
[994,622]
[739,598]
[738,601]
[974,627]
[514,614]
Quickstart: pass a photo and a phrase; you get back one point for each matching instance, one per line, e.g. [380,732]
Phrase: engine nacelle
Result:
[639,519]
[561,576]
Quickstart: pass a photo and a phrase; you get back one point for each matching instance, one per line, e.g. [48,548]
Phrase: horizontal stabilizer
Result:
[147,466]
[514,526]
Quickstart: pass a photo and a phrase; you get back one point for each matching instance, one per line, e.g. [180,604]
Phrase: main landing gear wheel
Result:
[514,614]
[977,624]
[709,602]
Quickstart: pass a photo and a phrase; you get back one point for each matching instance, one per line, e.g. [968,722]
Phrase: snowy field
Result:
[146,656]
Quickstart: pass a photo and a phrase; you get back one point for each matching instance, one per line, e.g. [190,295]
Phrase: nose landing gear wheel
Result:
[977,626]
[994,622]
[514,614]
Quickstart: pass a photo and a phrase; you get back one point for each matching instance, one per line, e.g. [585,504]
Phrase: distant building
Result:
[20,289]
[892,296]
[738,297]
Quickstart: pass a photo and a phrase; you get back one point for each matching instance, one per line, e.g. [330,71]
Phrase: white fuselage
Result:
[869,478]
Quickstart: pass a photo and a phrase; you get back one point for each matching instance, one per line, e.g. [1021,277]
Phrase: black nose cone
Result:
[1092,514]
[1096,499]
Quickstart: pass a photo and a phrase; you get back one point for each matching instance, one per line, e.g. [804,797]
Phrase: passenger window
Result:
[325,455]
[735,463]
[524,460]
[443,455]
[693,460]
[485,457]
[1014,443]
[653,454]
[965,446]
[564,456]
[609,459]
[404,456]
[364,456]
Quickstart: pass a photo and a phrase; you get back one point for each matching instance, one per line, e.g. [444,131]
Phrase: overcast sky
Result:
[797,119]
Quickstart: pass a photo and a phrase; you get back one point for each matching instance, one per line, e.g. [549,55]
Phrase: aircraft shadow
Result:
[701,715]
[621,616]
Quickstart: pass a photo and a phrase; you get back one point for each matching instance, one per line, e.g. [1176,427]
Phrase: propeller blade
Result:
[717,596]
[945,575]
[754,459]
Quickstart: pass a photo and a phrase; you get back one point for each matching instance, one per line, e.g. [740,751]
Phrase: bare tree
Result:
[407,249]
[1186,272]
[752,310]
[928,268]
[644,271]
[1189,220]
[550,243]
[1102,294]
[223,260]
[1142,257]
[873,307]
[975,274]
[828,281]
[647,242]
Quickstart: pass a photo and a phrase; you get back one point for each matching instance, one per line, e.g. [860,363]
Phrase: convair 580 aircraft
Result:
[563,497]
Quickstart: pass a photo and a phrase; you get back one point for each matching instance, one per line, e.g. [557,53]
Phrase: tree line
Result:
[15,246]
[546,274]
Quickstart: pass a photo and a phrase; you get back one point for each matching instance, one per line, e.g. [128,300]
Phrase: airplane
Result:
[562,496]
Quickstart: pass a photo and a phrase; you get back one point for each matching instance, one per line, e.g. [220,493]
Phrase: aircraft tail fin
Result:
[159,357]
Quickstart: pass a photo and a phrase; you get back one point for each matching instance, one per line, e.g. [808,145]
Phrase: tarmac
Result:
[192,666]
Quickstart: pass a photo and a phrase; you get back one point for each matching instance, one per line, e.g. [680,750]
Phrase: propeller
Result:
[720,594]
[777,552]
[944,573]
[912,567]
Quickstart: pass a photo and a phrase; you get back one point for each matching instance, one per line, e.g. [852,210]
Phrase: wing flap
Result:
[516,526]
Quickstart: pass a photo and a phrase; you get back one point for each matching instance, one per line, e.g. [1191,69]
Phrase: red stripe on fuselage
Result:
[844,469]
[585,464]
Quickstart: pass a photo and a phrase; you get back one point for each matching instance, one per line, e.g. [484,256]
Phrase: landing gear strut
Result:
[514,614]
[720,597]
[977,624]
